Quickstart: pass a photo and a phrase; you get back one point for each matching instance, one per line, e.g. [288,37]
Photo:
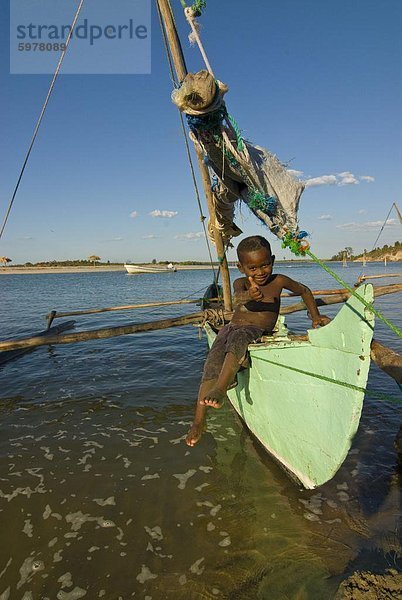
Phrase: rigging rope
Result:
[398,212]
[383,225]
[382,228]
[35,133]
[369,306]
[335,381]
[202,217]
[191,14]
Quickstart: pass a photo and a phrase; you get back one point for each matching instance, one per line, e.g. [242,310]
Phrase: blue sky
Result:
[319,83]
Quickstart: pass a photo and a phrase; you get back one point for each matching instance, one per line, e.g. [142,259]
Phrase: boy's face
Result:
[257,264]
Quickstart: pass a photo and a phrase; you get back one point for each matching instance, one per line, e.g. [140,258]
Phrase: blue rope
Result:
[215,183]
[259,201]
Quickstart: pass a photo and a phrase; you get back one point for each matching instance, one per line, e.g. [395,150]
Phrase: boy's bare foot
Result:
[194,434]
[214,397]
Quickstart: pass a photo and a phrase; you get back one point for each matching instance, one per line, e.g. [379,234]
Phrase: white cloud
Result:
[151,236]
[353,226]
[164,214]
[347,178]
[323,180]
[116,239]
[26,237]
[325,218]
[189,236]
[362,211]
[389,223]
[295,173]
[344,178]
[134,214]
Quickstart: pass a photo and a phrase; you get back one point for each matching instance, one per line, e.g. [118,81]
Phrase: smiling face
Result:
[257,264]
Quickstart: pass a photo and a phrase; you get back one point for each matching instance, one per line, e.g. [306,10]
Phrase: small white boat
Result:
[136,269]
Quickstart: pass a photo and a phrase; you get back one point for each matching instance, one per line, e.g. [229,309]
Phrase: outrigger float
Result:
[302,396]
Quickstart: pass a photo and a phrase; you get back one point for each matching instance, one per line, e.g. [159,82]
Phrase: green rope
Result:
[354,293]
[335,381]
[296,246]
[239,139]
[184,5]
[198,7]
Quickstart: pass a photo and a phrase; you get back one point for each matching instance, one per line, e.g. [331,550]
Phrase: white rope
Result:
[70,33]
[189,13]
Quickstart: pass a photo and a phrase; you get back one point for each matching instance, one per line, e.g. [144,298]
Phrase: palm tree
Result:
[4,260]
[94,259]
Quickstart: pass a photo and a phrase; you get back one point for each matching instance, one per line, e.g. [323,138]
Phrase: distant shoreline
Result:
[120,268]
[86,269]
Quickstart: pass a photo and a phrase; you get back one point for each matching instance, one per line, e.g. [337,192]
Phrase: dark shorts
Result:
[231,338]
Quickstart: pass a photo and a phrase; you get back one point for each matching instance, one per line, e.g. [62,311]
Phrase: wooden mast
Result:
[181,71]
[398,212]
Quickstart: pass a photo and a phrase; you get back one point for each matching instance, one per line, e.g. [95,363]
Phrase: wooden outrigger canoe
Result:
[302,399]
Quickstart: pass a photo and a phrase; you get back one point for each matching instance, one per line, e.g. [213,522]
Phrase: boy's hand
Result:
[254,290]
[320,321]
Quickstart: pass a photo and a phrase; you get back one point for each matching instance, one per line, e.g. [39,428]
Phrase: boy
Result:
[257,299]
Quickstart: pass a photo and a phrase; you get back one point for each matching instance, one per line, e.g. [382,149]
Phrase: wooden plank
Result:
[8,355]
[387,360]
[91,311]
[98,334]
[363,278]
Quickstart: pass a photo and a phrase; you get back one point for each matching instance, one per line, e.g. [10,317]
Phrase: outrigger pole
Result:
[176,52]
[385,358]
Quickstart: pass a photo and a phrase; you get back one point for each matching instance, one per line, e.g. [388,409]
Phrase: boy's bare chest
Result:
[270,292]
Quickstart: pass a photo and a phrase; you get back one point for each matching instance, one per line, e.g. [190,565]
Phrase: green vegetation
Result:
[376,254]
[345,253]
[67,263]
[94,259]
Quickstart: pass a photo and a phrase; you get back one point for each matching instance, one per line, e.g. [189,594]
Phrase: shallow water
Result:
[101,498]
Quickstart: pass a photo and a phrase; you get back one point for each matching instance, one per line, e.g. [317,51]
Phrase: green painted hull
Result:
[303,399]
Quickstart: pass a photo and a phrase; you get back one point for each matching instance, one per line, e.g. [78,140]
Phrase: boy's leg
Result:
[197,428]
[216,394]
[236,347]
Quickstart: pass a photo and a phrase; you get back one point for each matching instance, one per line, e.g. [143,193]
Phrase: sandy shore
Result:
[97,269]
[41,270]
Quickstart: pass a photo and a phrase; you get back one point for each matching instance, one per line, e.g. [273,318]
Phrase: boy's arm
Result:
[240,291]
[302,290]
